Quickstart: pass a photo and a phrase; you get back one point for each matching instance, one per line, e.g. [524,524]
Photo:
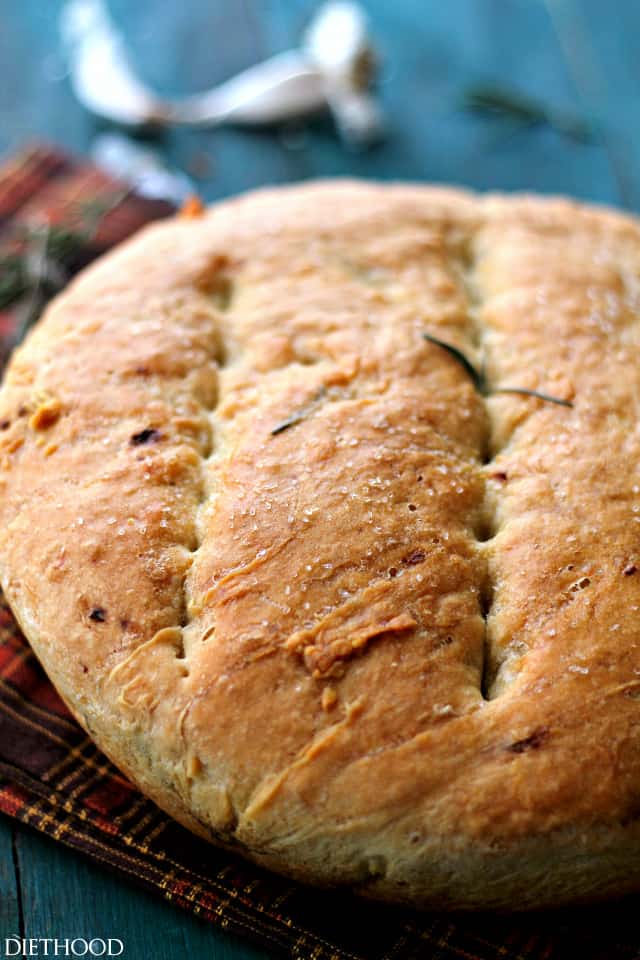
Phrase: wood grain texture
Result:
[606,75]
[9,882]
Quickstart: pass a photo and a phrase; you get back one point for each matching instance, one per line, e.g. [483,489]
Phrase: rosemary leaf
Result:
[93,211]
[64,246]
[290,422]
[299,415]
[503,102]
[13,279]
[534,393]
[477,376]
[480,381]
[527,111]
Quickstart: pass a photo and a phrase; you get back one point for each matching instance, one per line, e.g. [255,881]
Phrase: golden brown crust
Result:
[321,598]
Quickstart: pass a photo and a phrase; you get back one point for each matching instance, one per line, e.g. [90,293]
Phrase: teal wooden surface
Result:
[577,55]
[66,895]
[432,52]
[9,882]
[606,72]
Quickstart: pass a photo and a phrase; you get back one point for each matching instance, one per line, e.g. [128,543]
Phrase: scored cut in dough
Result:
[324,601]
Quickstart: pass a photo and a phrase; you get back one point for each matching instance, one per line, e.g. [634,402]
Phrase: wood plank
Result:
[598,43]
[66,895]
[35,97]
[9,898]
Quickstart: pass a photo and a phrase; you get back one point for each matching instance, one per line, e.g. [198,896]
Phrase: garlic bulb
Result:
[333,68]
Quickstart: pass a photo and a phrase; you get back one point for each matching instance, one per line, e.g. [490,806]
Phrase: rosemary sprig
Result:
[479,379]
[45,276]
[526,111]
[45,257]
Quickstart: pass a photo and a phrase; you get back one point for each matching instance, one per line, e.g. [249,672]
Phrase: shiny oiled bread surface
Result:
[324,600]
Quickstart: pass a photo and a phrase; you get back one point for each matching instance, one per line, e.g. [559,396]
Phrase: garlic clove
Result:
[337,36]
[101,76]
[126,160]
[337,41]
[285,86]
[358,116]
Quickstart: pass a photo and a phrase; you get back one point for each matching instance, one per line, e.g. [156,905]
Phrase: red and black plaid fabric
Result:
[54,778]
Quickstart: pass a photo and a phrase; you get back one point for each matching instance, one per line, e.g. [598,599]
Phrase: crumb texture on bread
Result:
[326,601]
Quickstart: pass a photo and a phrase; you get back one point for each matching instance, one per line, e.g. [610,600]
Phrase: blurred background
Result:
[450,80]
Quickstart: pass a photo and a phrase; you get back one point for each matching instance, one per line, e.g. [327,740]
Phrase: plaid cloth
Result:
[54,778]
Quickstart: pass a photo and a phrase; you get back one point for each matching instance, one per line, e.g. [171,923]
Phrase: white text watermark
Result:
[62,947]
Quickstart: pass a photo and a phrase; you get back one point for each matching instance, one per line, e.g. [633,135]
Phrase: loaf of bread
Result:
[322,512]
